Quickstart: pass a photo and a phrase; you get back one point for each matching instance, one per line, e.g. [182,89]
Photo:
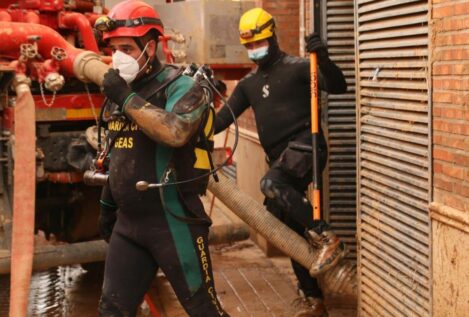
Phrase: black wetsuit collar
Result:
[264,68]
[142,81]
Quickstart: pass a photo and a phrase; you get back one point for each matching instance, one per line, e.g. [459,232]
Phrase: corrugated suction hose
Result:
[340,279]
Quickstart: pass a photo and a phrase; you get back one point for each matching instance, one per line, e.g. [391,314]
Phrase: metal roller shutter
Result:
[394,157]
[340,182]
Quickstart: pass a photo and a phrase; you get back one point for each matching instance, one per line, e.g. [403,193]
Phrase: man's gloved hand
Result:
[315,45]
[107,219]
[115,87]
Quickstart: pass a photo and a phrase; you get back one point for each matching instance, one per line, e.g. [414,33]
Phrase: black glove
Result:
[107,219]
[315,45]
[115,87]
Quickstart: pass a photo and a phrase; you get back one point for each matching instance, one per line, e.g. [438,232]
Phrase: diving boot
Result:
[308,306]
[330,250]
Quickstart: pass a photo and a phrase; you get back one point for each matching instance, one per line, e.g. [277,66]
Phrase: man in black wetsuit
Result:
[153,115]
[278,91]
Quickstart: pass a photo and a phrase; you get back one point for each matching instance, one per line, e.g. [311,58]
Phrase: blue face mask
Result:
[258,53]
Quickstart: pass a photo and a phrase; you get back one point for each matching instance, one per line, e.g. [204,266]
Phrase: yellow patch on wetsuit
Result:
[124,143]
[120,125]
[203,258]
[201,245]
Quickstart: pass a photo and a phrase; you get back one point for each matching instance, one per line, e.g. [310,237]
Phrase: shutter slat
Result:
[409,126]
[378,5]
[395,104]
[395,184]
[408,271]
[395,164]
[405,21]
[379,127]
[420,7]
[408,158]
[383,196]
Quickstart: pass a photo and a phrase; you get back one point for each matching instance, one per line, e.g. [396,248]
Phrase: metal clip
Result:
[166,176]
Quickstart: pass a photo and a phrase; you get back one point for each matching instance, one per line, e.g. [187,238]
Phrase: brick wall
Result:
[450,56]
[286,14]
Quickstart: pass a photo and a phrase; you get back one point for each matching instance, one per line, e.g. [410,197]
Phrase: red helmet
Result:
[130,18]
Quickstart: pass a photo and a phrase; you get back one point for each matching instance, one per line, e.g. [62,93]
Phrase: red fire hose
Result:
[24,197]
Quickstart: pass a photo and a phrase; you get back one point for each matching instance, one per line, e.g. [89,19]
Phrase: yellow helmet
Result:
[255,24]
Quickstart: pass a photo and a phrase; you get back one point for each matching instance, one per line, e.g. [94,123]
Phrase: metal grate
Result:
[394,171]
[340,182]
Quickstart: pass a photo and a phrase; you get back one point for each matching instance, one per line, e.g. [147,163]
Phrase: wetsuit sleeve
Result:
[185,103]
[330,76]
[238,102]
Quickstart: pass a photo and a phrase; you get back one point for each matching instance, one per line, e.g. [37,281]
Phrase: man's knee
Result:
[268,187]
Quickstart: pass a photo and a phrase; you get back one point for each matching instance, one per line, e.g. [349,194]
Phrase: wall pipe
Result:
[5,16]
[79,22]
[31,17]
[13,34]
[49,256]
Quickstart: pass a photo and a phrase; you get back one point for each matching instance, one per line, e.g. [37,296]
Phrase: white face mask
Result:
[127,65]
[258,53]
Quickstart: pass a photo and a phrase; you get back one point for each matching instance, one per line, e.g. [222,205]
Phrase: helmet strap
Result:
[141,46]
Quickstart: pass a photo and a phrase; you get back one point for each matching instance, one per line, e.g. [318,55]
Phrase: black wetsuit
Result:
[279,93]
[165,228]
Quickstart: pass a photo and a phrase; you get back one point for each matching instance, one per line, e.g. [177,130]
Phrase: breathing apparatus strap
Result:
[169,195]
[102,153]
[204,139]
[150,93]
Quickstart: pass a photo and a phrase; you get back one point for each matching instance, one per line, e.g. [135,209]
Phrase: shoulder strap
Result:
[174,73]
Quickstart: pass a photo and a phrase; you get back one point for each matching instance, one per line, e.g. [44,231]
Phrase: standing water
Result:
[66,291]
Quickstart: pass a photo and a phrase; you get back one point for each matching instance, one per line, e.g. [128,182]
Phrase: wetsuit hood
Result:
[273,54]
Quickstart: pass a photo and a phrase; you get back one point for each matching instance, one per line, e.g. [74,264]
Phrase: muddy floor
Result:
[248,284]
